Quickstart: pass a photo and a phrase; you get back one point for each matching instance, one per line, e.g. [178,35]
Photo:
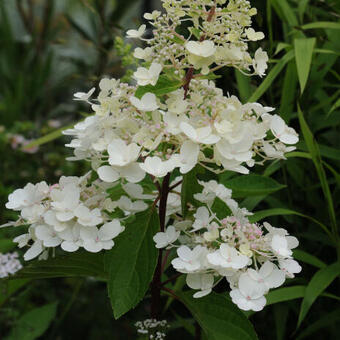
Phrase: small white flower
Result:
[97,239]
[156,167]
[290,267]
[202,135]
[228,257]
[150,76]
[202,282]
[163,239]
[189,260]
[280,246]
[152,16]
[9,264]
[65,201]
[121,154]
[187,159]
[204,48]
[268,275]
[84,96]
[28,196]
[281,131]
[136,34]
[202,219]
[87,217]
[141,53]
[146,103]
[260,62]
[127,205]
[254,36]
[47,235]
[249,295]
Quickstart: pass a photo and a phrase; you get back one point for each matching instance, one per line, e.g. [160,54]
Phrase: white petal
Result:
[202,293]
[110,230]
[69,246]
[35,250]
[107,174]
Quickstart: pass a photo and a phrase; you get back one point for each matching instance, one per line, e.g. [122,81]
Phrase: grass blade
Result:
[303,56]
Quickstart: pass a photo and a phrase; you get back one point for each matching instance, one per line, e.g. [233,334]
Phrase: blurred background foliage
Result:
[50,49]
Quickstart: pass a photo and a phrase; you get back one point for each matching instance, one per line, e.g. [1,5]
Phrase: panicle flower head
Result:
[154,329]
[220,242]
[9,264]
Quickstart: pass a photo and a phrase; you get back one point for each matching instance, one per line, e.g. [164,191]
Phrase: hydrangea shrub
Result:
[157,148]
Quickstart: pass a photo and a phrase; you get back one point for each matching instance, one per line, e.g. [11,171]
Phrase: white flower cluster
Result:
[9,264]
[218,37]
[134,132]
[253,258]
[128,137]
[154,329]
[70,214]
[74,214]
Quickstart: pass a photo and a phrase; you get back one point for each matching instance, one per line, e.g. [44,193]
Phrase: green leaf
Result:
[272,75]
[319,282]
[321,24]
[286,11]
[81,264]
[132,262]
[335,106]
[252,185]
[302,5]
[219,318]
[285,294]
[325,321]
[288,92]
[316,157]
[47,138]
[305,257]
[164,85]
[220,208]
[34,323]
[6,245]
[303,56]
[243,85]
[260,215]
[190,187]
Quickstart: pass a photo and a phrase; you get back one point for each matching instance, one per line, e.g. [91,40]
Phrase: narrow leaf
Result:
[132,262]
[321,24]
[47,138]
[326,320]
[305,257]
[285,294]
[303,56]
[260,215]
[316,157]
[272,75]
[319,282]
